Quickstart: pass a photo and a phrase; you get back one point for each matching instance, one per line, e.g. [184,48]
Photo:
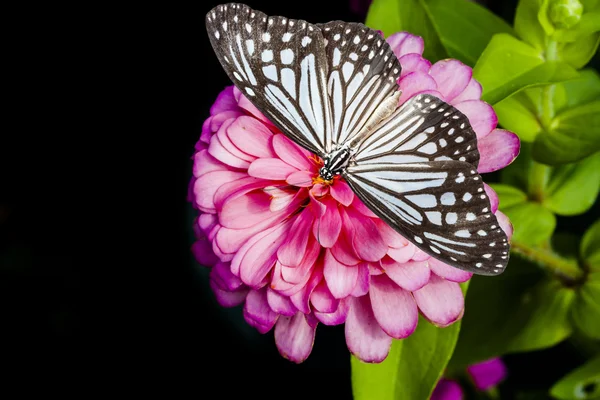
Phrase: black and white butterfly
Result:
[332,88]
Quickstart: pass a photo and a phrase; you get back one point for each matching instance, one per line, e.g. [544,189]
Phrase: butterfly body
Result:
[332,89]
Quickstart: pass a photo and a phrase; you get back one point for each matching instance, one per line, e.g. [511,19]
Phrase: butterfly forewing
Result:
[279,64]
[440,206]
[363,71]
[423,129]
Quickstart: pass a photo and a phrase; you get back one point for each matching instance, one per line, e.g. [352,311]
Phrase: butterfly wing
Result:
[280,66]
[440,206]
[362,76]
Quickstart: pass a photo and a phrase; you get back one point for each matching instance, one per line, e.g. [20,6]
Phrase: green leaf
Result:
[509,65]
[533,223]
[581,383]
[527,25]
[573,188]
[451,28]
[574,135]
[412,368]
[579,53]
[517,114]
[590,244]
[508,195]
[520,310]
[583,90]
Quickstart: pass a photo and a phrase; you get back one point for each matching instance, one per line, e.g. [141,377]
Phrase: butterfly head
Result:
[335,163]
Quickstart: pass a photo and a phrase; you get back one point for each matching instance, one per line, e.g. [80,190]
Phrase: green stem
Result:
[567,270]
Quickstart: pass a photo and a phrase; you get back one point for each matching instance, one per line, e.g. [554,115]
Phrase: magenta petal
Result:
[257,311]
[226,298]
[471,92]
[411,276]
[280,304]
[221,274]
[291,153]
[322,299]
[225,101]
[448,272]
[300,178]
[390,236]
[405,43]
[340,278]
[452,77]
[481,116]
[301,299]
[362,281]
[231,190]
[415,82]
[394,308]
[343,250]
[358,205]
[204,163]
[367,241]
[326,228]
[364,337]
[202,250]
[420,255]
[301,272]
[294,337]
[440,301]
[293,248]
[497,150]
[245,211]
[337,317]
[222,149]
[413,62]
[251,136]
[270,168]
[492,196]
[342,192]
[402,254]
[487,374]
[447,389]
[207,185]
[505,224]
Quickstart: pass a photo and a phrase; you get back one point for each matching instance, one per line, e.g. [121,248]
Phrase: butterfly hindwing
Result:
[279,64]
[440,206]
[423,129]
[363,72]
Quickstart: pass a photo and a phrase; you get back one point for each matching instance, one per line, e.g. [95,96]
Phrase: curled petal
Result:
[343,249]
[362,281]
[293,248]
[294,337]
[322,299]
[245,211]
[340,278]
[221,148]
[367,241]
[270,168]
[505,224]
[448,272]
[257,311]
[280,304]
[452,77]
[291,153]
[413,62]
[481,116]
[342,193]
[326,228]
[337,317]
[497,150]
[492,196]
[301,299]
[411,276]
[206,186]
[300,178]
[229,299]
[394,308]
[405,43]
[299,274]
[440,301]
[364,337]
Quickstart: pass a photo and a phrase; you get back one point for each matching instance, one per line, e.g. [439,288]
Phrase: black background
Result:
[98,287]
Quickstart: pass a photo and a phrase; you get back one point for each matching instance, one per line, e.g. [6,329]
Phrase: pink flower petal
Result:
[294,337]
[340,278]
[281,285]
[420,255]
[415,82]
[270,168]
[472,92]
[342,192]
[497,150]
[413,62]
[447,389]
[411,276]
[280,304]
[300,273]
[492,196]
[223,150]
[505,224]
[204,163]
[322,299]
[362,281]
[226,298]
[202,250]
[291,252]
[222,276]
[487,374]
[225,102]
[300,178]
[402,254]
[405,43]
[291,153]
[256,258]
[394,308]
[251,136]
[337,317]
[343,250]
[358,205]
[319,190]
[231,190]
[390,236]
[245,211]
[452,77]
[246,105]
[367,241]
[440,301]
[481,116]
[223,136]
[327,228]
[280,198]
[257,311]
[448,272]
[364,337]
[206,186]
[301,299]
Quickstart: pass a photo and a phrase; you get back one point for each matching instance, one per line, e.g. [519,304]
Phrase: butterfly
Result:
[332,89]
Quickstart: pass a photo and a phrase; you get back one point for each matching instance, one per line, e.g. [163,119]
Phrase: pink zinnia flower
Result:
[296,251]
